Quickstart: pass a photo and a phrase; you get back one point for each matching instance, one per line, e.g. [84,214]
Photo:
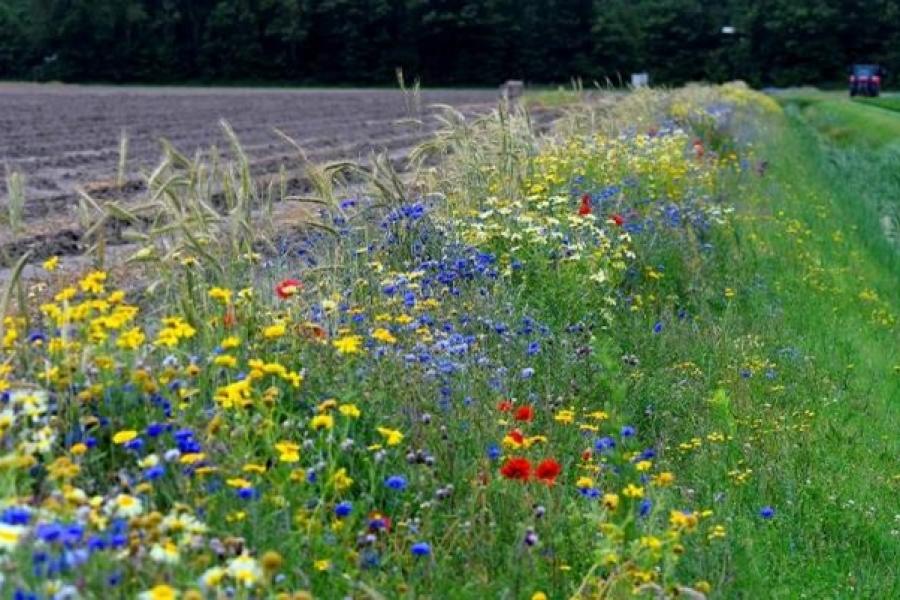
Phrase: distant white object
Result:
[728,30]
[639,80]
[512,90]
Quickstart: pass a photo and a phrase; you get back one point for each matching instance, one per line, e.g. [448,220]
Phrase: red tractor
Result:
[865,80]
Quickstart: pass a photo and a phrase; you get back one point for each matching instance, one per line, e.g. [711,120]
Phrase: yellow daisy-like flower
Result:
[273,332]
[131,339]
[225,360]
[633,491]
[664,479]
[350,410]
[340,480]
[125,436]
[159,592]
[392,437]
[230,342]
[289,452]
[50,264]
[349,344]
[221,294]
[383,335]
[322,565]
[322,422]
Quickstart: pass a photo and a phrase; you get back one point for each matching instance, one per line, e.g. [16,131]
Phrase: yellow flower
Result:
[340,480]
[392,437]
[322,422]
[718,532]
[349,344]
[539,596]
[123,437]
[383,335]
[65,294]
[131,339]
[322,565]
[225,360]
[664,479]
[633,491]
[610,501]
[643,465]
[221,294]
[10,536]
[93,282]
[564,416]
[289,452]
[680,520]
[350,410]
[584,483]
[51,263]
[274,331]
[238,482]
[326,405]
[159,592]
[652,543]
[230,342]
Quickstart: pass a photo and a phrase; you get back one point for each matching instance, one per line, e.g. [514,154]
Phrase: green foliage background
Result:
[444,42]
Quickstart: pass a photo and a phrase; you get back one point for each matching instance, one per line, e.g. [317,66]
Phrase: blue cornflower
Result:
[396,482]
[421,549]
[590,493]
[657,327]
[767,512]
[343,509]
[493,452]
[605,443]
[628,431]
[526,373]
[247,493]
[645,507]
[154,429]
[533,348]
[37,336]
[136,444]
[154,472]
[16,515]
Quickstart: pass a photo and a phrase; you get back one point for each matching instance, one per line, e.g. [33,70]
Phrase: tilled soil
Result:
[62,137]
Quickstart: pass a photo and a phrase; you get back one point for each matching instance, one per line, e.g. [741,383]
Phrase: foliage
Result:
[778,42]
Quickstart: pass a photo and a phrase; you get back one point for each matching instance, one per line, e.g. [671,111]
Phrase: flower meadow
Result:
[420,398]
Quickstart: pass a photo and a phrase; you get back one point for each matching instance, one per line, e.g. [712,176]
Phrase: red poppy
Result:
[585,208]
[587,455]
[524,413]
[517,436]
[287,288]
[516,468]
[504,406]
[547,471]
[617,219]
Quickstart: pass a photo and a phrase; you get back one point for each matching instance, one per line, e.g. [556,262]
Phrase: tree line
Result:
[444,42]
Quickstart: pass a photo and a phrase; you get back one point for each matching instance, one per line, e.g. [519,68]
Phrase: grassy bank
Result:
[652,353]
[793,352]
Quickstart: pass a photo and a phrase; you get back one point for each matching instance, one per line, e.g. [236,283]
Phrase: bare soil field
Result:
[62,137]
